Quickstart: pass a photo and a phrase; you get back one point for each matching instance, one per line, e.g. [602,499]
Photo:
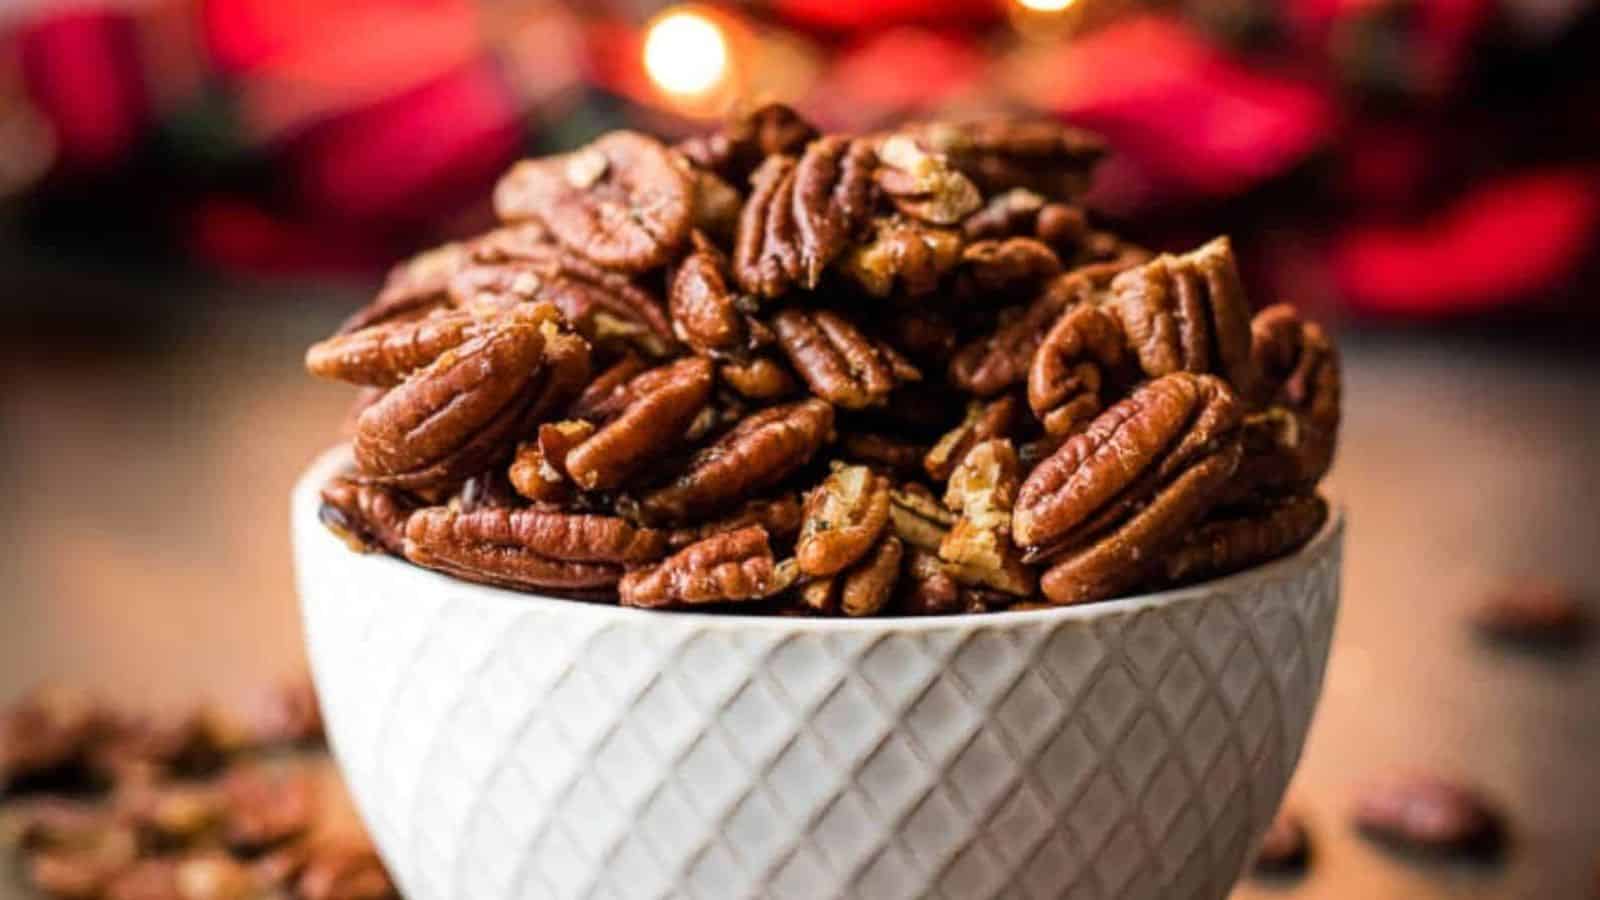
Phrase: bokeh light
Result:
[1046,6]
[686,52]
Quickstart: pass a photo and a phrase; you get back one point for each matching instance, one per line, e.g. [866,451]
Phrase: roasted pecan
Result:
[832,200]
[779,516]
[665,402]
[1114,495]
[456,417]
[1536,613]
[902,255]
[1239,538]
[923,184]
[841,365]
[538,471]
[999,154]
[716,206]
[925,335]
[738,147]
[984,420]
[1428,814]
[982,492]
[413,288]
[760,451]
[862,590]
[607,308]
[918,518]
[384,354]
[1188,314]
[927,588]
[606,396]
[726,567]
[489,489]
[991,364]
[844,517]
[1290,443]
[708,312]
[883,452]
[622,201]
[530,548]
[760,378]
[170,812]
[1012,213]
[766,254]
[1005,267]
[367,517]
[1083,356]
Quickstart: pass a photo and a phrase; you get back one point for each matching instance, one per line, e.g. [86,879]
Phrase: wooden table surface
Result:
[144,552]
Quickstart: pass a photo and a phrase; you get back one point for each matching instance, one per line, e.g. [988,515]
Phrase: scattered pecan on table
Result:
[773,370]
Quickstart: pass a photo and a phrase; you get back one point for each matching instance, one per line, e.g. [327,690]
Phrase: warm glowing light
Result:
[1046,6]
[686,52]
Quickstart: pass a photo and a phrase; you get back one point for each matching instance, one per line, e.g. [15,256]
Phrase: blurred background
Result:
[191,191]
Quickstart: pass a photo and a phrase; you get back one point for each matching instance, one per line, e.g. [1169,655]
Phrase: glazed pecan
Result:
[923,185]
[708,312]
[1114,495]
[716,206]
[832,200]
[984,420]
[918,518]
[862,590]
[455,418]
[1082,358]
[927,588]
[1005,267]
[665,402]
[760,378]
[738,147]
[982,492]
[766,253]
[1188,314]
[413,288]
[530,548]
[722,568]
[1000,360]
[760,451]
[1000,154]
[902,255]
[838,362]
[1019,212]
[925,335]
[383,355]
[1239,538]
[1290,443]
[779,516]
[883,451]
[844,517]
[538,471]
[367,517]
[606,396]
[623,201]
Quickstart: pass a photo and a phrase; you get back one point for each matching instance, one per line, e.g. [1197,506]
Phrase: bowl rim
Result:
[306,499]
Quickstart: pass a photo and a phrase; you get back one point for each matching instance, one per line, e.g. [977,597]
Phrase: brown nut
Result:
[1010,213]
[171,812]
[984,420]
[1238,539]
[978,547]
[383,355]
[832,200]
[367,517]
[538,471]
[198,875]
[766,253]
[923,184]
[456,417]
[844,517]
[1536,613]
[760,378]
[838,362]
[999,154]
[1005,267]
[708,313]
[486,490]
[1290,443]
[864,589]
[738,147]
[1000,360]
[918,518]
[883,452]
[666,400]
[726,567]
[413,289]
[607,308]
[779,516]
[606,396]
[529,548]
[925,335]
[1188,314]
[1428,814]
[623,201]
[1082,357]
[902,256]
[716,206]
[928,589]
[760,451]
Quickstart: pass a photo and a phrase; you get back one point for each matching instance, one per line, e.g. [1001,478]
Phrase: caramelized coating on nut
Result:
[838,362]
[1237,539]
[708,313]
[844,517]
[734,150]
[529,548]
[978,546]
[1084,353]
[923,185]
[727,567]
[367,516]
[666,401]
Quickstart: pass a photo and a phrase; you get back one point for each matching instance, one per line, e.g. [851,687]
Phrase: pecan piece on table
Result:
[734,150]
[1110,498]
[902,255]
[862,590]
[1240,538]
[763,449]
[1083,355]
[665,402]
[1000,360]
[922,184]
[1188,314]
[1430,815]
[622,201]
[832,200]
[727,567]
[708,312]
[999,154]
[538,471]
[978,546]
[530,548]
[984,420]
[844,517]
[456,417]
[838,362]
[366,517]
[412,289]
[1534,612]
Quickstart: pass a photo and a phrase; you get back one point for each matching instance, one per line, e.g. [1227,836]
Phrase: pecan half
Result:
[924,185]
[882,451]
[708,313]
[716,206]
[779,516]
[1290,443]
[760,451]
[1019,212]
[1238,539]
[902,255]
[865,588]
[413,288]
[529,548]
[455,418]
[727,567]
[608,308]
[832,200]
[766,253]
[760,378]
[738,147]
[1005,267]
[1112,496]
[927,588]
[982,492]
[383,355]
[538,471]
[1000,360]
[622,201]
[606,396]
[489,489]
[838,362]
[999,154]
[984,420]
[665,401]
[366,517]
[1188,314]
[844,517]
[1083,355]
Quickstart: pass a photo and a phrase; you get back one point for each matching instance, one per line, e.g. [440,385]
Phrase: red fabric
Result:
[235,234]
[930,68]
[859,14]
[1504,240]
[82,71]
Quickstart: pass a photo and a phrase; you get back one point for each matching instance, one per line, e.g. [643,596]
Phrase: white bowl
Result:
[502,745]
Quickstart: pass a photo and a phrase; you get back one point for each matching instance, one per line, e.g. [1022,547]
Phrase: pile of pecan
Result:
[220,803]
[785,372]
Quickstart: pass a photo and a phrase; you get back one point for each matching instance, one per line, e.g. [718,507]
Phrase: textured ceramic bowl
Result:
[502,745]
